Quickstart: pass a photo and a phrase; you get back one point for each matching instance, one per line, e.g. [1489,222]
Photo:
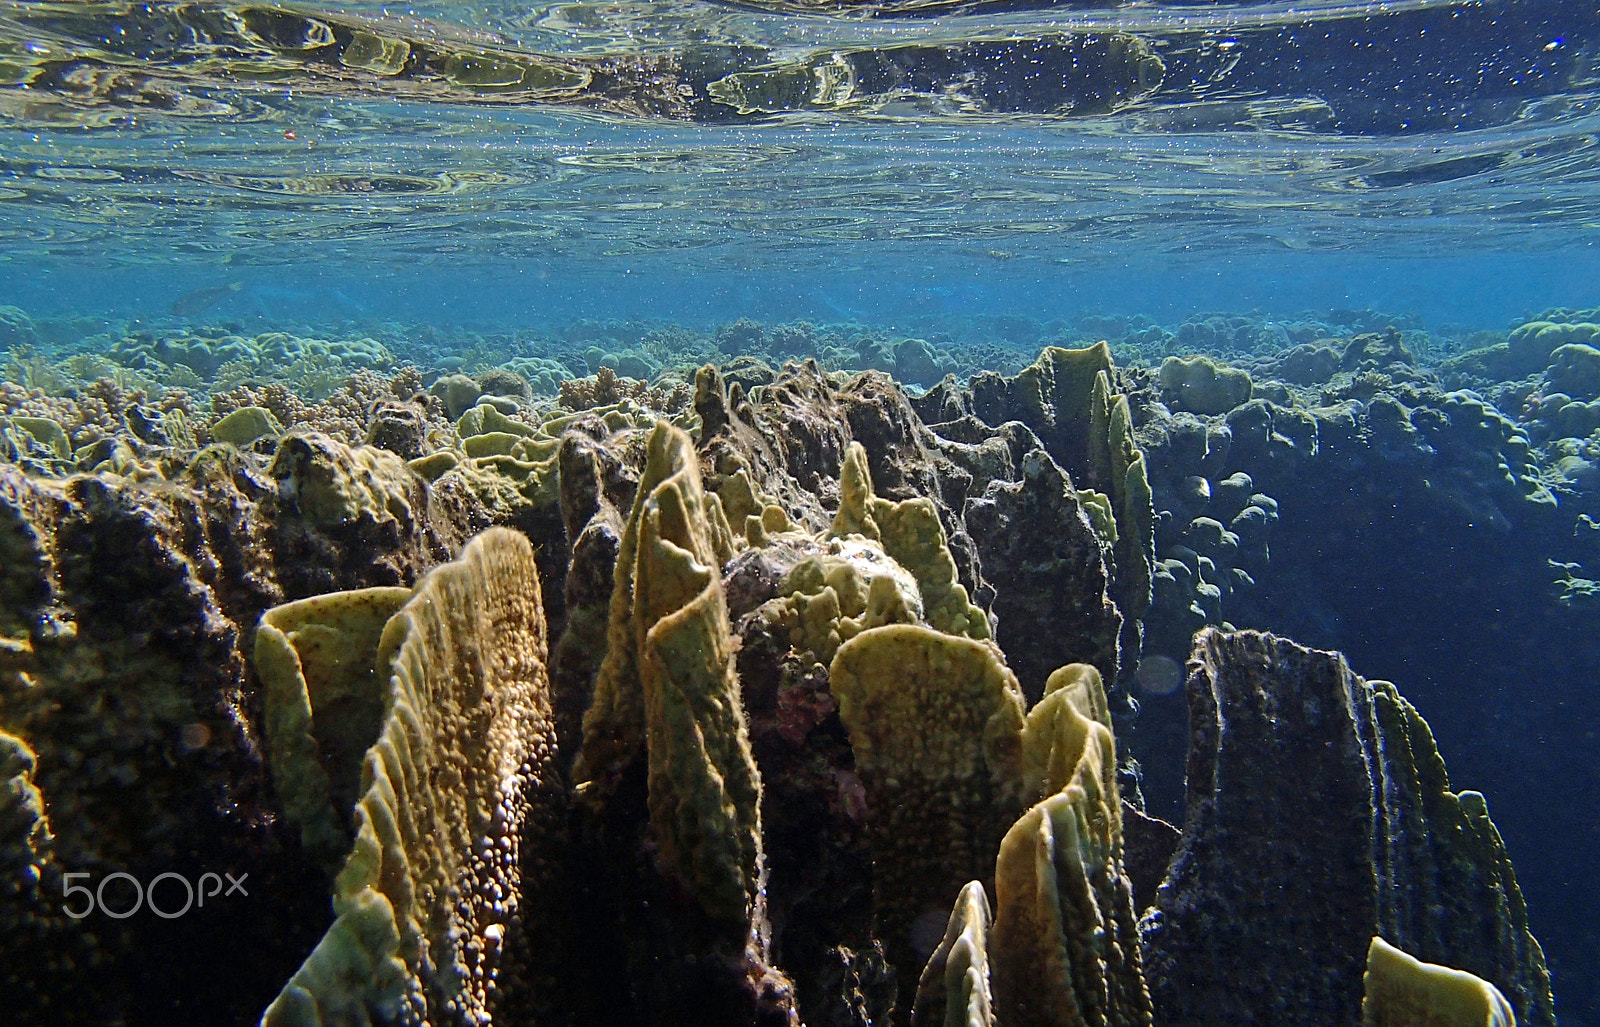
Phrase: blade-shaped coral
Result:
[427,901]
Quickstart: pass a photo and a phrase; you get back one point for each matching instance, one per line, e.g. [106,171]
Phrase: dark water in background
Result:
[901,163]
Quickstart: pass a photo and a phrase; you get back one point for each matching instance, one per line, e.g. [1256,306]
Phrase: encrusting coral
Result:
[912,536]
[427,902]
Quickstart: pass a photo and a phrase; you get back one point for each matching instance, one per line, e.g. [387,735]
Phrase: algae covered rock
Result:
[332,484]
[123,684]
[245,425]
[355,516]
[464,765]
[1066,397]
[1376,349]
[25,839]
[1046,544]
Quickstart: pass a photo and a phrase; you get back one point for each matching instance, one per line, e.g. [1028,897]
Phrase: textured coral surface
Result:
[747,695]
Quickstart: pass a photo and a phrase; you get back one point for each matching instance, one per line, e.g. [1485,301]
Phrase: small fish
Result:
[201,300]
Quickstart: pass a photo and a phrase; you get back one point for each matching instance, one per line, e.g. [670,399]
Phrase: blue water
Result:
[1490,290]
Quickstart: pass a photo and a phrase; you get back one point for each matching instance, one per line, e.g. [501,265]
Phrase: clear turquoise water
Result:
[1435,158]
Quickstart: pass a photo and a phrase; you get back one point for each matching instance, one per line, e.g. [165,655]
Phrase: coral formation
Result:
[666,703]
[1065,397]
[829,661]
[1065,944]
[245,425]
[1300,887]
[1197,384]
[935,724]
[456,787]
[955,987]
[912,537]
[668,684]
[1402,991]
[324,704]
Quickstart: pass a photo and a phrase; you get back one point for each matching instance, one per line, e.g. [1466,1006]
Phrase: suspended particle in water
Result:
[1159,675]
[195,736]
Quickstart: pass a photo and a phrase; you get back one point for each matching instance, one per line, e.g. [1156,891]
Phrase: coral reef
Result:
[323,705]
[831,658]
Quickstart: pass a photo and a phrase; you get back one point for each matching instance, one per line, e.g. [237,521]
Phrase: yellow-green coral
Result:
[324,704]
[935,722]
[955,990]
[431,889]
[25,840]
[1063,949]
[1068,730]
[1201,385]
[1403,991]
[667,686]
[334,484]
[848,587]
[911,534]
[1116,461]
[245,425]
[1065,943]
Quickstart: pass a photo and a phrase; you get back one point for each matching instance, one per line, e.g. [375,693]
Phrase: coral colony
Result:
[833,684]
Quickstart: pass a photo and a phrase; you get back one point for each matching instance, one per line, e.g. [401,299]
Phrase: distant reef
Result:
[791,674]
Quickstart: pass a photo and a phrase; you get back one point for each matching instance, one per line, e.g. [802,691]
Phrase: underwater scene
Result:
[760,513]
